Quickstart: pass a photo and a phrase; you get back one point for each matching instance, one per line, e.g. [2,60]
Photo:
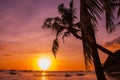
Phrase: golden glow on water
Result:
[43,77]
[43,73]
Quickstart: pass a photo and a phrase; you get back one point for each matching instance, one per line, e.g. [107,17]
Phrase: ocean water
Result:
[71,75]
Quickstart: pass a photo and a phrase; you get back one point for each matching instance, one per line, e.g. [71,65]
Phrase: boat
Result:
[80,74]
[67,75]
[12,72]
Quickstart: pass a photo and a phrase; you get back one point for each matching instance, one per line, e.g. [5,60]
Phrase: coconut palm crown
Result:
[62,25]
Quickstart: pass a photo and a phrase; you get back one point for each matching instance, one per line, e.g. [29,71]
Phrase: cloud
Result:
[2,49]
[114,44]
[5,54]
[114,41]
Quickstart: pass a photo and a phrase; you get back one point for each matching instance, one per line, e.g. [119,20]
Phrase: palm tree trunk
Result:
[111,54]
[96,61]
[89,42]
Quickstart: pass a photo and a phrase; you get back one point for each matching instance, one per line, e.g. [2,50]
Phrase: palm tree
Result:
[65,26]
[89,10]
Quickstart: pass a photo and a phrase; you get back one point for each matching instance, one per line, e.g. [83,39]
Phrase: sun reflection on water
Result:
[43,77]
[43,73]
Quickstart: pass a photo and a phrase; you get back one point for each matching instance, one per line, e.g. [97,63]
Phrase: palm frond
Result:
[67,14]
[119,9]
[94,8]
[119,12]
[47,23]
[87,51]
[77,25]
[109,13]
[116,4]
[110,6]
[71,4]
[66,34]
[55,46]
[119,23]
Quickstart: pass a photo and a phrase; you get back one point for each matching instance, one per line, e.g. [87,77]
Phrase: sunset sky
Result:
[23,41]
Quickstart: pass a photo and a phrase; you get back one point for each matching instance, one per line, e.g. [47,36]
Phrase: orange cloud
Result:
[114,44]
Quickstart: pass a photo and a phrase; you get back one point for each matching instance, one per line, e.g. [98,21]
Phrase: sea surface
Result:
[53,75]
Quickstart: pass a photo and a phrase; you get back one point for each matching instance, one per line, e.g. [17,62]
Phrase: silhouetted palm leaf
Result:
[66,34]
[119,11]
[110,7]
[55,46]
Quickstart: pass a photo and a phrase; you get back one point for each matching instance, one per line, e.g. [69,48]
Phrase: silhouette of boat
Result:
[12,72]
[80,74]
[67,75]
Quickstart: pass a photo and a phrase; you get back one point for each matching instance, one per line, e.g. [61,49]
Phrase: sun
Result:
[44,63]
